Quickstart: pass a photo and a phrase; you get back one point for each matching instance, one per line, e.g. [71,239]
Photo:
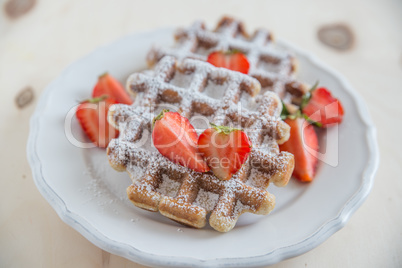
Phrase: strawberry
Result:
[233,60]
[322,107]
[303,144]
[92,116]
[225,149]
[107,85]
[176,139]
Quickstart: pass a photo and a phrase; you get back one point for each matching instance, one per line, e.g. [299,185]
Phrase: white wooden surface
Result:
[37,46]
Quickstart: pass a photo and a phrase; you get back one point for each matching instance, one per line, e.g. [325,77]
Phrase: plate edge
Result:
[97,238]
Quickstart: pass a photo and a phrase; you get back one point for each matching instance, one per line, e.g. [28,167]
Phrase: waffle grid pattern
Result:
[246,191]
[272,67]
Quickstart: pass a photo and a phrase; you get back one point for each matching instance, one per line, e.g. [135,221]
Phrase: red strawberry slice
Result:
[323,107]
[232,60]
[107,85]
[303,144]
[225,149]
[92,116]
[176,139]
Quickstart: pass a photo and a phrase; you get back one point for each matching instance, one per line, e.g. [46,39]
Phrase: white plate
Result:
[90,196]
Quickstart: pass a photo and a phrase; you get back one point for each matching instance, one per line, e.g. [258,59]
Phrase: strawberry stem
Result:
[314,87]
[223,129]
[96,99]
[311,121]
[159,116]
[232,51]
[306,97]
[298,114]
[285,112]
[103,75]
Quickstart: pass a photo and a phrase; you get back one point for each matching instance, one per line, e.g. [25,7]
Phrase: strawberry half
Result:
[303,144]
[176,139]
[322,107]
[225,149]
[107,85]
[233,60]
[92,116]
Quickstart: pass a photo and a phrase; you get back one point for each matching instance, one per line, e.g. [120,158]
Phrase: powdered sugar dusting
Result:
[248,102]
[168,187]
[171,188]
[257,179]
[181,80]
[215,91]
[200,122]
[273,66]
[206,200]
[136,172]
[240,208]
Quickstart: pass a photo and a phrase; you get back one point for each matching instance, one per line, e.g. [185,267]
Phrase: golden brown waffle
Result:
[274,68]
[177,192]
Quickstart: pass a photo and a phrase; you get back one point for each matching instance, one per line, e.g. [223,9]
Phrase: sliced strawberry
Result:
[225,150]
[232,60]
[323,107]
[92,116]
[303,144]
[176,139]
[109,86]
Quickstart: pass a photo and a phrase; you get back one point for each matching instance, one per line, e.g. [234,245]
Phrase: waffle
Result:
[272,67]
[177,192]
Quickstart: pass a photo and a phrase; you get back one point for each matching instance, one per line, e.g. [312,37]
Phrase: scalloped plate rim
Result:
[277,255]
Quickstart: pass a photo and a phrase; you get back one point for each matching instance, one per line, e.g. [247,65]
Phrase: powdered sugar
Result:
[240,208]
[256,179]
[248,102]
[169,187]
[215,91]
[200,122]
[206,200]
[136,172]
[272,66]
[181,80]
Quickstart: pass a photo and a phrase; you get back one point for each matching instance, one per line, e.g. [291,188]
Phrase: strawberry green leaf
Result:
[223,129]
[306,97]
[285,112]
[159,116]
[314,123]
[102,75]
[314,87]
[232,51]
[96,99]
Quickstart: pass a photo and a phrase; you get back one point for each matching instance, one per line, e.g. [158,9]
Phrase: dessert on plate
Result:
[181,193]
[273,67]
[238,120]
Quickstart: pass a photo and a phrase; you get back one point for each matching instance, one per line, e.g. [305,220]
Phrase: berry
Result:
[176,139]
[303,144]
[323,108]
[232,60]
[92,116]
[224,149]
[107,85]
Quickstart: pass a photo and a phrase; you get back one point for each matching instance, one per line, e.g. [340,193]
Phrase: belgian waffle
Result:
[272,67]
[177,192]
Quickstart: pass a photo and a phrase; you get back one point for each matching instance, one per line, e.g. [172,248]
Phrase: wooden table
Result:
[36,46]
